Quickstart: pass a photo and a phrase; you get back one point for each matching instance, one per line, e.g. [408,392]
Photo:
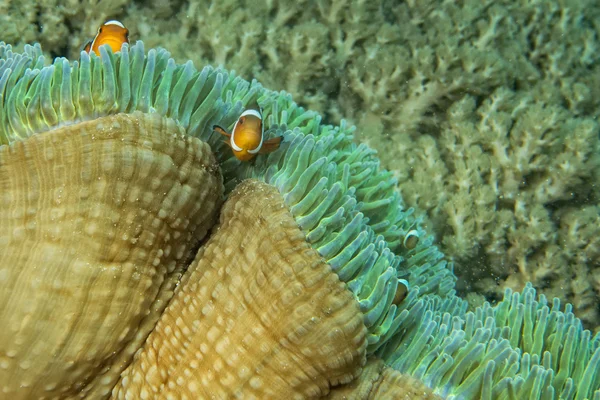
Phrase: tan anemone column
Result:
[97,220]
[259,315]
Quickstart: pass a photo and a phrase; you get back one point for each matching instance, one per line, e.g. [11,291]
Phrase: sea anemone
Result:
[314,268]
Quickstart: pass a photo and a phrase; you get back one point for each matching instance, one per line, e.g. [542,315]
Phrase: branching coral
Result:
[276,42]
[436,51]
[388,66]
[510,185]
[413,94]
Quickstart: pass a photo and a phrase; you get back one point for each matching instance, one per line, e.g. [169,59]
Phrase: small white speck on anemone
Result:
[97,222]
[259,315]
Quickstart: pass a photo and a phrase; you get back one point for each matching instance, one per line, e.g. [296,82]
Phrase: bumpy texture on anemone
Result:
[259,315]
[96,224]
[349,211]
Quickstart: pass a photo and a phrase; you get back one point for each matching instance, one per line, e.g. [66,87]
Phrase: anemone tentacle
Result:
[519,348]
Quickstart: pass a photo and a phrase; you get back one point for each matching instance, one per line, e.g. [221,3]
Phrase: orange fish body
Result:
[247,137]
[112,33]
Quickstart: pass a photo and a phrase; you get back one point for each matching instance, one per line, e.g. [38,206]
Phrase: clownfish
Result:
[247,137]
[112,33]
[401,291]
[411,239]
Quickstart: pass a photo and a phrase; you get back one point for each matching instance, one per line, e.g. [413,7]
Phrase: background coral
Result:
[511,193]
[510,185]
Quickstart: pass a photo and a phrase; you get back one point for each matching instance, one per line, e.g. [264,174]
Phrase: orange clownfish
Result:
[247,137]
[112,33]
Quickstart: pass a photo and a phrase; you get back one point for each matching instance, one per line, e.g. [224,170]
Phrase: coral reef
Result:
[500,189]
[349,213]
[510,185]
[502,186]
[398,70]
[438,51]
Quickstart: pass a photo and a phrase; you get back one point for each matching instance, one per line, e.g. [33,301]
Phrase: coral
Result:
[349,213]
[281,43]
[410,86]
[389,66]
[510,186]
[431,53]
[579,244]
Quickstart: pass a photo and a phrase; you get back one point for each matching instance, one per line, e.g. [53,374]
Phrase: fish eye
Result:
[242,119]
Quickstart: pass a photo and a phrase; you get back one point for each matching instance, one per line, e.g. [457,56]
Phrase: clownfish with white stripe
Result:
[247,137]
[112,33]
